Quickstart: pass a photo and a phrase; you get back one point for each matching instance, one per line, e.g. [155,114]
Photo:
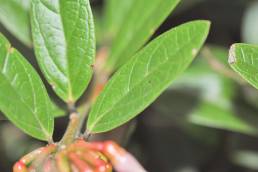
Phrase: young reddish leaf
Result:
[243,58]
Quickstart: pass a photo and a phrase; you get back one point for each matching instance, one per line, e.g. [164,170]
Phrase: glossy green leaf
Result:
[14,15]
[137,25]
[243,58]
[64,41]
[23,97]
[140,81]
[212,115]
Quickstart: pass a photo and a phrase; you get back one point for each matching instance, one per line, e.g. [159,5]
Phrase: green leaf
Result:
[23,97]
[212,115]
[115,13]
[140,81]
[243,58]
[64,41]
[14,15]
[136,26]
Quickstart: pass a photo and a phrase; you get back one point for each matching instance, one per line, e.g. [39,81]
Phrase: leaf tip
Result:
[194,51]
[10,49]
[232,55]
[206,22]
[8,46]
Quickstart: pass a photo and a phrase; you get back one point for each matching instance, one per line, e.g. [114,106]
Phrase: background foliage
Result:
[205,122]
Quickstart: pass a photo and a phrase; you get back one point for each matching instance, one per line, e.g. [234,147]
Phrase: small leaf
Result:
[14,15]
[140,81]
[64,41]
[212,115]
[138,23]
[243,58]
[23,97]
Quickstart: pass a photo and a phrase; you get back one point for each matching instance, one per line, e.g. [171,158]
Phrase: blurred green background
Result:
[205,122]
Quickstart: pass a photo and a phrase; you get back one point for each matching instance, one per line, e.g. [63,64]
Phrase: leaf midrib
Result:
[67,43]
[51,56]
